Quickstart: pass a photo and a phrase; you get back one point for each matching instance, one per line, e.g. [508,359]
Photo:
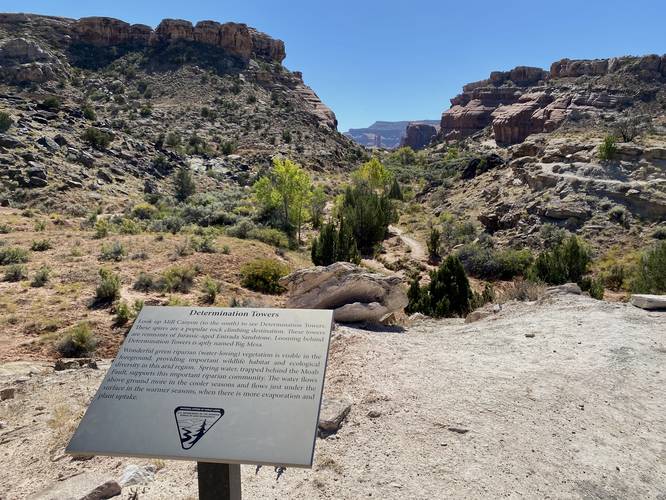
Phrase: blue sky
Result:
[404,60]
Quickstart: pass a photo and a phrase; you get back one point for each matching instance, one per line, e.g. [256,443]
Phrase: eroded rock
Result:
[354,294]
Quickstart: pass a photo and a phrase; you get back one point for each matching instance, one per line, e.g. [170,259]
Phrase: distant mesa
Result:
[390,135]
[526,100]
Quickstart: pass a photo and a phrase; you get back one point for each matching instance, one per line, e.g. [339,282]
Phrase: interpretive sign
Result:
[213,385]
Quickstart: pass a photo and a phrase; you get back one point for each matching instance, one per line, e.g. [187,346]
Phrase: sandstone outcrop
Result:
[419,135]
[649,302]
[523,101]
[235,38]
[354,294]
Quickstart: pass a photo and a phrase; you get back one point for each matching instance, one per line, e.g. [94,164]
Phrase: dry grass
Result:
[33,318]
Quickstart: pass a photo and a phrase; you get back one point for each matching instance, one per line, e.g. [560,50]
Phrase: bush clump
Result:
[113,252]
[41,245]
[108,289]
[15,272]
[13,255]
[178,279]
[490,264]
[447,295]
[183,183]
[608,148]
[144,282]
[41,277]
[565,263]
[335,243]
[5,122]
[78,341]
[650,275]
[263,275]
[97,138]
[210,289]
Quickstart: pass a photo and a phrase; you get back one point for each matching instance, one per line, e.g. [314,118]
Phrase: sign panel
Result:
[213,385]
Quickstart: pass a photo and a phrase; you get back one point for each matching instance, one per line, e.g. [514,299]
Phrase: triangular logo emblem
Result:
[194,422]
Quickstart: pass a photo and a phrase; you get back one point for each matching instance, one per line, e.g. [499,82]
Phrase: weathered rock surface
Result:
[649,302]
[354,294]
[419,135]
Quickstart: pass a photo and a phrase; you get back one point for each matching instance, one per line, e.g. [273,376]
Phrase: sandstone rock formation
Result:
[354,294]
[418,135]
[383,134]
[649,302]
[525,100]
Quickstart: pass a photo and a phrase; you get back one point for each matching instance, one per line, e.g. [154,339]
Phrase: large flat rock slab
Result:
[649,302]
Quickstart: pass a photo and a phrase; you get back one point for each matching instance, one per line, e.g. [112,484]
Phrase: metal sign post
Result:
[219,481]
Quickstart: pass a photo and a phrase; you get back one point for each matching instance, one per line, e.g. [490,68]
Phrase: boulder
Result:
[332,414]
[106,490]
[135,475]
[649,302]
[7,393]
[354,294]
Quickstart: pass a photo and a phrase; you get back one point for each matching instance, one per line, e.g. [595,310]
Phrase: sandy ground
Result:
[442,410]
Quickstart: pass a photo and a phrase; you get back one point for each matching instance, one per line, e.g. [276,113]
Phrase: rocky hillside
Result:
[382,134]
[212,96]
[581,147]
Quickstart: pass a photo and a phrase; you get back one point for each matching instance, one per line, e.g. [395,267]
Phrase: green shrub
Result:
[551,235]
[620,215]
[178,279]
[51,103]
[173,140]
[40,225]
[594,286]
[123,313]
[108,289]
[5,122]
[270,236]
[241,229]
[614,277]
[5,228]
[41,245]
[369,214]
[447,295]
[13,255]
[650,275]
[395,191]
[263,275]
[144,282]
[490,264]
[608,148]
[89,112]
[334,244]
[143,211]
[184,185]
[97,138]
[129,226]
[15,272]
[524,291]
[455,232]
[113,252]
[434,240]
[41,277]
[210,289]
[226,250]
[78,341]
[102,228]
[204,245]
[566,263]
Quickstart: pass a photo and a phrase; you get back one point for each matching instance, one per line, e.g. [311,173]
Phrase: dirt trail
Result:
[444,410]
[417,250]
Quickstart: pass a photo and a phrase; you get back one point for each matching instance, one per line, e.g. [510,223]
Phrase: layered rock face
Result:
[419,135]
[527,100]
[237,39]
